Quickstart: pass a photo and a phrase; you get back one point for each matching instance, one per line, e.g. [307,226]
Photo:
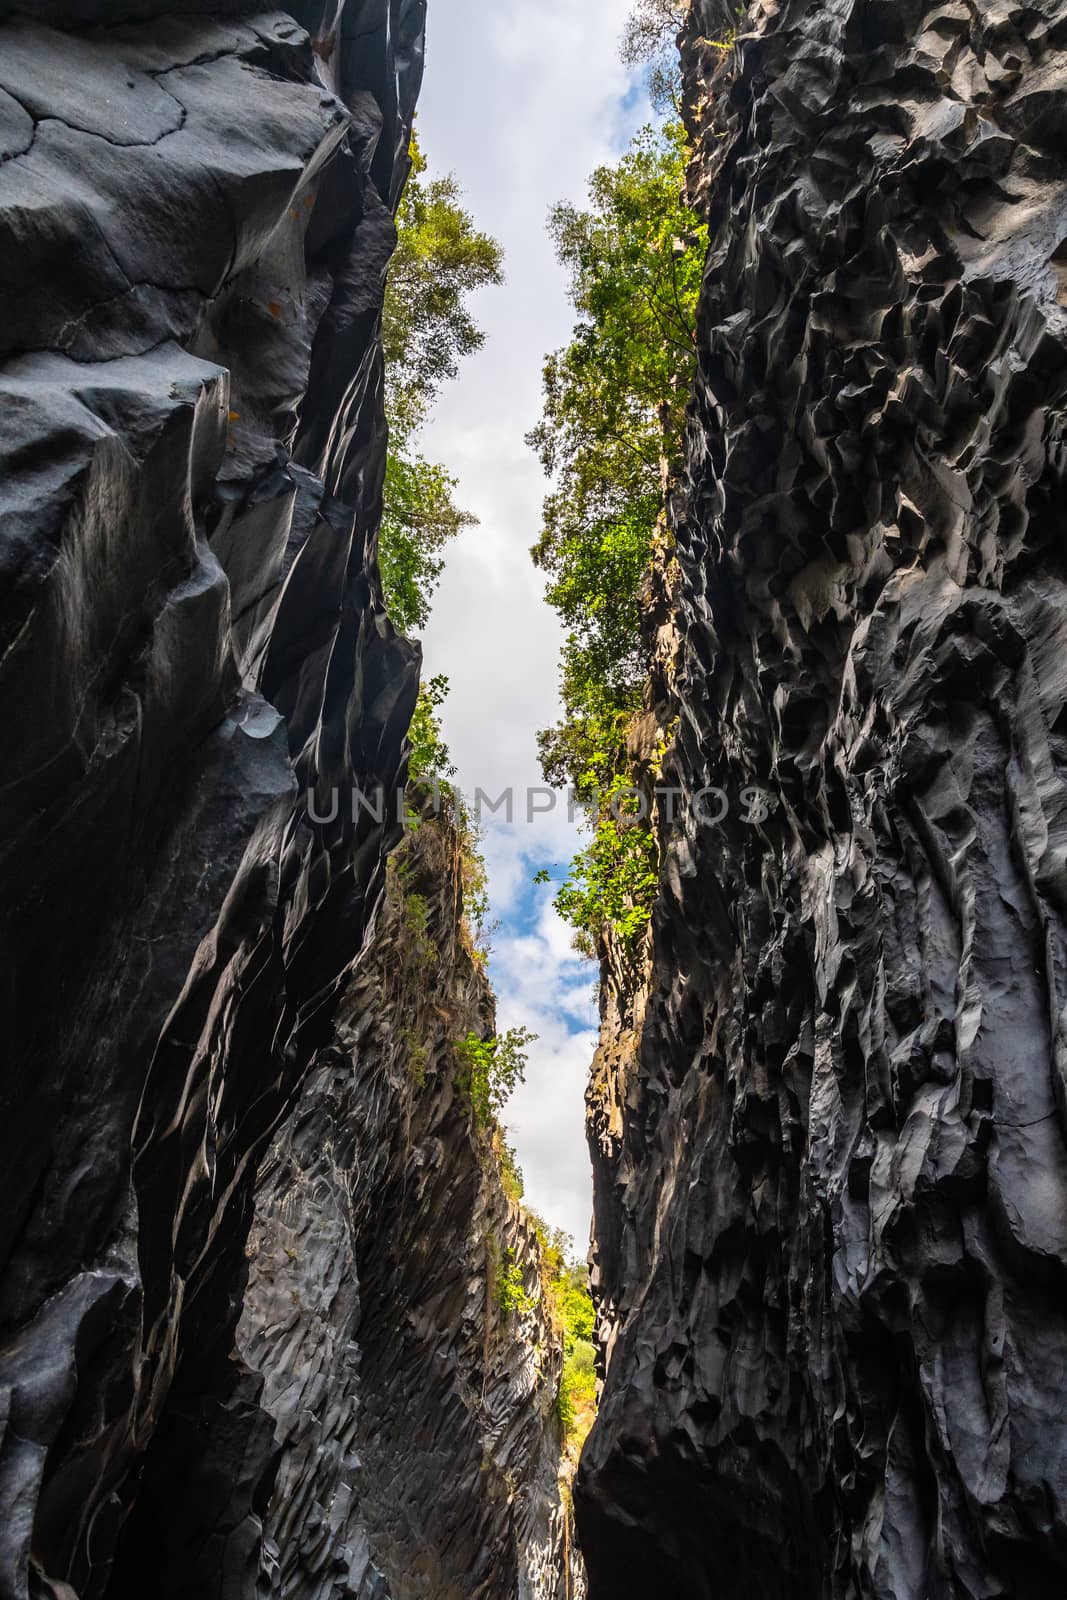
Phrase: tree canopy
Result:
[610,436]
[614,403]
[420,517]
[649,40]
[441,259]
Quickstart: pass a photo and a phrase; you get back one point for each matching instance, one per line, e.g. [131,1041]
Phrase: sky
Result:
[521,104]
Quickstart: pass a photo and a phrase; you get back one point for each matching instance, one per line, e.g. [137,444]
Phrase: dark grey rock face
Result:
[834,1260]
[194,229]
[414,1413]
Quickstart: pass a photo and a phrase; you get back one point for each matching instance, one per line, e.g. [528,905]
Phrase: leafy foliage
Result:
[565,1282]
[419,518]
[489,1070]
[476,907]
[510,1287]
[649,40]
[614,880]
[609,437]
[588,748]
[441,259]
[575,1303]
[417,946]
[556,1248]
[430,768]
[415,1054]
[577,1393]
[577,1389]
[429,761]
[612,424]
[511,1178]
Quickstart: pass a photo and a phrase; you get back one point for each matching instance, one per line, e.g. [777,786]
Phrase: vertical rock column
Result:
[414,1404]
[836,1269]
[194,229]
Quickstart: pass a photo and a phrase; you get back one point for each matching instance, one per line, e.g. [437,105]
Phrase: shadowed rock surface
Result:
[192,243]
[832,1219]
[195,224]
[419,1438]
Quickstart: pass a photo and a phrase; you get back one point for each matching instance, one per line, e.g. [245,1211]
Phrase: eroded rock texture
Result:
[835,1276]
[415,1415]
[194,230]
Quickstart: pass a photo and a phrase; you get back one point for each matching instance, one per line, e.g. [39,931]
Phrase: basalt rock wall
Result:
[832,1226]
[413,1401]
[195,224]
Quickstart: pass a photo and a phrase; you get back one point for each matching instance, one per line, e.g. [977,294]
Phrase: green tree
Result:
[610,436]
[576,1319]
[648,40]
[511,1295]
[429,761]
[490,1070]
[613,881]
[420,517]
[612,424]
[440,260]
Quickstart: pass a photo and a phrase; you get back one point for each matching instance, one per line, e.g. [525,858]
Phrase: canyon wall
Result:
[251,1336]
[195,224]
[832,1209]
[414,1406]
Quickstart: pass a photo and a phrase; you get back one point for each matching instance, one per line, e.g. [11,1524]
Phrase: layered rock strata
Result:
[834,1254]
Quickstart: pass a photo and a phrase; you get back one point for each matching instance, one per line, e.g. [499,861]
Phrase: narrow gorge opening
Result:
[572,231]
[371,369]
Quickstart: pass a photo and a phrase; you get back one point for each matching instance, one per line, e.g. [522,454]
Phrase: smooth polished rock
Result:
[177,927]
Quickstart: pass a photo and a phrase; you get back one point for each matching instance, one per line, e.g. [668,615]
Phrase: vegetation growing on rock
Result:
[577,1390]
[489,1070]
[430,761]
[565,1284]
[441,258]
[614,401]
[510,1289]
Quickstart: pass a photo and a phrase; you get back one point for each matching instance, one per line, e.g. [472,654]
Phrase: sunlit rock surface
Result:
[832,1256]
[195,224]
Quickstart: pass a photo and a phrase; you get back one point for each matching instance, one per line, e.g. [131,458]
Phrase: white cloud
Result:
[514,853]
[521,104]
[546,1122]
[544,986]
